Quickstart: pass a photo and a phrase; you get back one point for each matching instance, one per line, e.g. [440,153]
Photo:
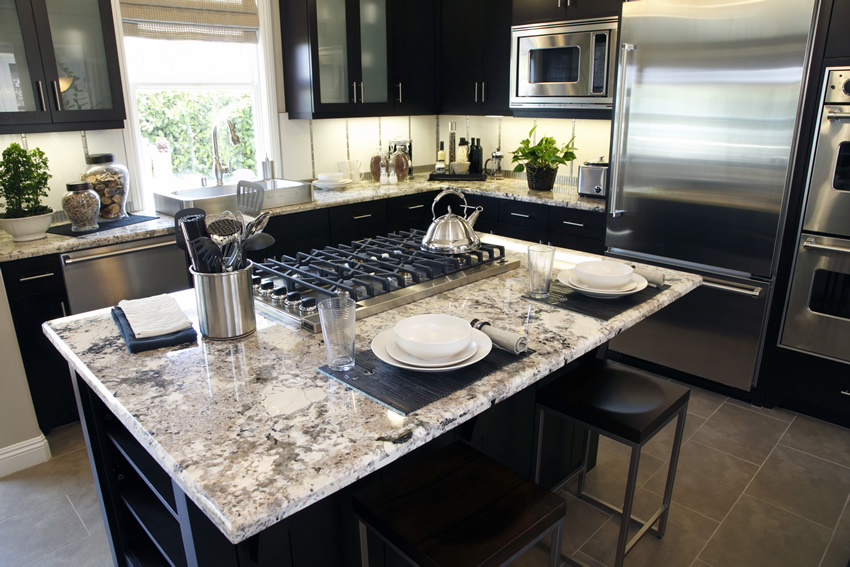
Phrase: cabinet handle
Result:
[38,277]
[749,291]
[580,224]
[483,98]
[476,92]
[56,92]
[845,392]
[41,96]
[411,207]
[68,261]
[358,217]
[64,311]
[399,93]
[520,215]
[362,100]
[354,90]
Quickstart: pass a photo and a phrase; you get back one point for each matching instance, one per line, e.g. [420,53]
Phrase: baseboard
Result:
[24,455]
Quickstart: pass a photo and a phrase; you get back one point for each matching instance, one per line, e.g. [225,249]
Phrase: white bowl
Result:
[604,274]
[459,167]
[433,336]
[332,176]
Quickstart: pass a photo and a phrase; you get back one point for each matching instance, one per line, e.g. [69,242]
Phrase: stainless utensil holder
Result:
[225,303]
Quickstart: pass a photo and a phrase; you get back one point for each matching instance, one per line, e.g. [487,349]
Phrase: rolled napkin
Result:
[505,340]
[654,276]
[154,316]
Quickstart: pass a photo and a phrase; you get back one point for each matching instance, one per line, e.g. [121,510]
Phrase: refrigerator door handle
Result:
[748,291]
[625,49]
[812,243]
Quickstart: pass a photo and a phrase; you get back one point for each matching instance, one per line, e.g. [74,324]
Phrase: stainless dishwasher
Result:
[101,277]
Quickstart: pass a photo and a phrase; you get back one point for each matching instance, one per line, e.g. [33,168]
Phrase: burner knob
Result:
[293,298]
[255,282]
[266,288]
[308,305]
[278,294]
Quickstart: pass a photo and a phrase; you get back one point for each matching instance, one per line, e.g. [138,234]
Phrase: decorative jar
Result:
[111,181]
[81,205]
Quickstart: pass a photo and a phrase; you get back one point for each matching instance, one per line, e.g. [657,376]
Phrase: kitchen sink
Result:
[219,198]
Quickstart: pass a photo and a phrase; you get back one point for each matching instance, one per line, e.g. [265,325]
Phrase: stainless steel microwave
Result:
[563,64]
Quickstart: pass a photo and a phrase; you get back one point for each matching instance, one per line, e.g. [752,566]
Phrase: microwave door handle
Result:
[619,134]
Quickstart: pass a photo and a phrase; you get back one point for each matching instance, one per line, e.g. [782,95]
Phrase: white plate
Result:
[332,184]
[405,357]
[379,347]
[567,277]
[576,282]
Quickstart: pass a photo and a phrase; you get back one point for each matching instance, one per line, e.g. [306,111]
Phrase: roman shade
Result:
[205,20]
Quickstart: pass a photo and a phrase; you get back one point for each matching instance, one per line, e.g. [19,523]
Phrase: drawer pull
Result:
[521,215]
[38,277]
[581,224]
[845,392]
[410,208]
[358,217]
[64,311]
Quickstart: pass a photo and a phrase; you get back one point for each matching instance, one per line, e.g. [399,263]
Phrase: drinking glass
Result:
[540,260]
[337,316]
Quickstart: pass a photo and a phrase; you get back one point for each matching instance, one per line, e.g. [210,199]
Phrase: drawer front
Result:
[32,275]
[576,222]
[525,215]
[576,243]
[357,215]
[411,205]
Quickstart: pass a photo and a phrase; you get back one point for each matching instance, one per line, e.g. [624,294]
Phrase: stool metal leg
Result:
[671,471]
[538,452]
[555,544]
[585,457]
[364,547]
[625,519]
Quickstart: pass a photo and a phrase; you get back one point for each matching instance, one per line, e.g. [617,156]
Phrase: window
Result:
[192,67]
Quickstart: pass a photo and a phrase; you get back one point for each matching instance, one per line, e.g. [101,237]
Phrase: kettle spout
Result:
[474,216]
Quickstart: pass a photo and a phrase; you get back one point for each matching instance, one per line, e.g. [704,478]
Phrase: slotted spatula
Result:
[249,198]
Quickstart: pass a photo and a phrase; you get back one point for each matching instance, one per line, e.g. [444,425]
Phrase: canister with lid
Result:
[81,205]
[111,182]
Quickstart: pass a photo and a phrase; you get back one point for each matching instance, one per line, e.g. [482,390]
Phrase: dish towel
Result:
[506,340]
[154,316]
[135,345]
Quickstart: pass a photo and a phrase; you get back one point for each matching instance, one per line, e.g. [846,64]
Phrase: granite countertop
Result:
[253,432]
[516,189]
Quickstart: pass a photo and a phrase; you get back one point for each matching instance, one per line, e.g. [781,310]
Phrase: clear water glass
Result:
[337,315]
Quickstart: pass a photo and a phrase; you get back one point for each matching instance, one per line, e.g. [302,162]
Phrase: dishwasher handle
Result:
[750,291]
[67,260]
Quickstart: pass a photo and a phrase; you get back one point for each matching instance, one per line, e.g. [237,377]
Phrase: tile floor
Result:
[755,487]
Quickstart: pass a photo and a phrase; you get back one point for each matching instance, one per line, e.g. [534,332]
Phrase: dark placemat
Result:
[572,300]
[405,391]
[65,229]
[457,177]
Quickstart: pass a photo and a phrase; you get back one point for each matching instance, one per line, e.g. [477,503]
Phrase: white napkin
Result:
[154,316]
[654,276]
[507,340]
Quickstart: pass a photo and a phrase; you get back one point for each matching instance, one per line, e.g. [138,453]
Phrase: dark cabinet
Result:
[358,220]
[298,232]
[475,55]
[534,11]
[576,229]
[364,57]
[837,39]
[62,68]
[36,293]
[410,211]
[526,221]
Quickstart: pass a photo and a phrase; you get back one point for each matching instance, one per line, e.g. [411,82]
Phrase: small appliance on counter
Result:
[593,178]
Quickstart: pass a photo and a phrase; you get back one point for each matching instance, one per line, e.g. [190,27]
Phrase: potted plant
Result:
[542,160]
[23,182]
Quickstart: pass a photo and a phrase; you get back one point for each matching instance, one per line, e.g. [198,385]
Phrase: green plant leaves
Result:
[545,153]
[23,181]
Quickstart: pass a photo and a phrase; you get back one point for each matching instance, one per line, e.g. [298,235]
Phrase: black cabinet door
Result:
[837,39]
[358,220]
[298,232]
[410,211]
[414,28]
[534,11]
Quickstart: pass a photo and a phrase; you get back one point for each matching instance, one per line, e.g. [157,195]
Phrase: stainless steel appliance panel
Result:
[101,277]
[713,332]
[705,122]
[828,205]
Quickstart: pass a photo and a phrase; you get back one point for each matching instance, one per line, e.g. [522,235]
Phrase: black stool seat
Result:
[622,401]
[460,508]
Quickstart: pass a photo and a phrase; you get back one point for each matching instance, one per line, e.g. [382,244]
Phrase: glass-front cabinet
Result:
[58,66]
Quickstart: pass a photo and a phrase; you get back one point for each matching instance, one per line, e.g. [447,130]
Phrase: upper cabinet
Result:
[58,66]
[358,57]
[475,57]
[536,11]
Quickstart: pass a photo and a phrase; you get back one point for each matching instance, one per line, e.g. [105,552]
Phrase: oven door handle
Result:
[810,243]
[833,115]
[748,291]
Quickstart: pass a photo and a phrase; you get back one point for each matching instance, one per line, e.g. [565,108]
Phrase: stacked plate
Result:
[331,184]
[603,279]
[431,343]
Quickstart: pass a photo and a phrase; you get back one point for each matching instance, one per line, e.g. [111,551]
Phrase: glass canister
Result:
[81,205]
[111,181]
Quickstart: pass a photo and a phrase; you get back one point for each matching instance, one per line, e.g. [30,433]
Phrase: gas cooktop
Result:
[379,273]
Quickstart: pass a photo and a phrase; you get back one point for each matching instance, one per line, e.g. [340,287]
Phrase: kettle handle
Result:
[442,194]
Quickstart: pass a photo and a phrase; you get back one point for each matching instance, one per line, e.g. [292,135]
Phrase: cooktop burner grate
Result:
[380,273]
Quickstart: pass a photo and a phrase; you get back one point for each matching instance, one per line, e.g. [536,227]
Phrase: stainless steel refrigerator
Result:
[705,125]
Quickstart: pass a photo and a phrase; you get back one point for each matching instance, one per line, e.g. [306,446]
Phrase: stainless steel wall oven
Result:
[817,313]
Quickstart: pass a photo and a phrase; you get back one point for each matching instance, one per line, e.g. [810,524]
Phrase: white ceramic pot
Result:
[27,228]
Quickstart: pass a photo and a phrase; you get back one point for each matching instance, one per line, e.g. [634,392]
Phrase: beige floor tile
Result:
[707,480]
[738,431]
[66,439]
[608,479]
[48,481]
[87,506]
[776,413]
[838,553]
[39,530]
[687,533]
[700,563]
[582,521]
[758,534]
[588,560]
[803,484]
[91,551]
[702,402]
[827,441]
[662,444]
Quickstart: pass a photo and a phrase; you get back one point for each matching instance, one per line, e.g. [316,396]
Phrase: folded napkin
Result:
[135,345]
[506,340]
[654,276]
[154,316]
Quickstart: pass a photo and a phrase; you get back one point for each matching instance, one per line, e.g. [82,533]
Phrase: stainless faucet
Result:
[218,168]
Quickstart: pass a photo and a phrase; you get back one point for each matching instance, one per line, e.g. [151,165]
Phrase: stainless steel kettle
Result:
[451,233]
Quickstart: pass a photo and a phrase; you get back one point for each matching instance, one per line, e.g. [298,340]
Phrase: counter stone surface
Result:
[253,432]
[514,189]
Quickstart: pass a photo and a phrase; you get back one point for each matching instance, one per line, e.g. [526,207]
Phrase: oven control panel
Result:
[838,87]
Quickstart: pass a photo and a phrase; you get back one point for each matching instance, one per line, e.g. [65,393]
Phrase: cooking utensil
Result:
[206,255]
[258,241]
[194,216]
[256,225]
[249,198]
[451,234]
[224,228]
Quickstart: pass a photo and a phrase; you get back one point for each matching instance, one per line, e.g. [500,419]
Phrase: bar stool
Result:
[462,508]
[626,405]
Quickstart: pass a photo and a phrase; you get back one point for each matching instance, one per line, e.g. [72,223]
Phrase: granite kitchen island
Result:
[255,436]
